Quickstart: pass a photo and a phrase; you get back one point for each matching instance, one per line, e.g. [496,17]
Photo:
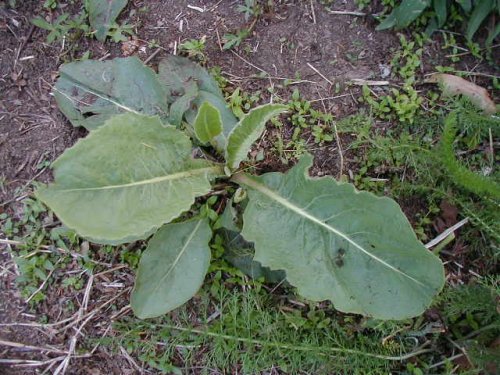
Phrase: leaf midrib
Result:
[79,85]
[154,180]
[177,259]
[240,178]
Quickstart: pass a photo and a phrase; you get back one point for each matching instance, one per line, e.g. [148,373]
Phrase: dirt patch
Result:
[288,43]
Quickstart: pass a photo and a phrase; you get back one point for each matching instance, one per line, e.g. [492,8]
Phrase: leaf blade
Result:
[208,123]
[90,92]
[126,179]
[172,268]
[404,14]
[176,71]
[440,7]
[247,131]
[182,104]
[102,14]
[480,12]
[339,244]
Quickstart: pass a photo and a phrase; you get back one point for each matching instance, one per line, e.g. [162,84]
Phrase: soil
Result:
[292,41]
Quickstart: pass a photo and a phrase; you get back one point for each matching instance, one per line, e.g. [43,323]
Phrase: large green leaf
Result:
[441,9]
[388,22]
[176,71]
[102,15]
[126,178]
[172,268]
[247,131]
[208,123]
[90,92]
[482,9]
[465,4]
[403,15]
[353,248]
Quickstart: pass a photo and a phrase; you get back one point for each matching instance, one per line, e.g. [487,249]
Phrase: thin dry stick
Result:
[6,270]
[249,63]
[446,233]
[31,347]
[467,73]
[320,74]
[292,82]
[61,369]
[329,98]
[130,360]
[218,39]
[23,44]
[313,12]
[339,147]
[121,266]
[152,56]
[28,362]
[70,319]
[95,310]
[214,7]
[364,82]
[447,360]
[35,363]
[347,13]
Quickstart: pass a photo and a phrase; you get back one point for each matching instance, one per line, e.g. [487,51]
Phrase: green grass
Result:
[247,329]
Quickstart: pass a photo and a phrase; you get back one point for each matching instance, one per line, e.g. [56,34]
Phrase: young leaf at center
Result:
[247,131]
[208,123]
[172,268]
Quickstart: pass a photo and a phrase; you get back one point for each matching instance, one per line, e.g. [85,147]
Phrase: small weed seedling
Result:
[35,262]
[251,9]
[304,117]
[99,15]
[134,175]
[194,48]
[63,27]
[401,104]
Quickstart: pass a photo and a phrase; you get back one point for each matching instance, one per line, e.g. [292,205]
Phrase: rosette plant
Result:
[134,177]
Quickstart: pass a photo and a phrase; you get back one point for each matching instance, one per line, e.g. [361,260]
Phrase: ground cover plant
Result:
[133,174]
[101,17]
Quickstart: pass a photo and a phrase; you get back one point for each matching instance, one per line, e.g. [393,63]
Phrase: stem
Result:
[318,349]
